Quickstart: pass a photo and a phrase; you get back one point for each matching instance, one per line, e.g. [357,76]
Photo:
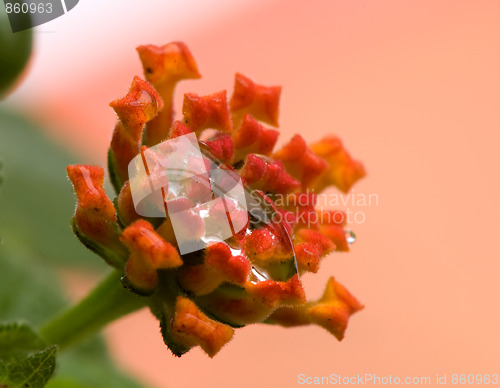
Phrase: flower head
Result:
[248,274]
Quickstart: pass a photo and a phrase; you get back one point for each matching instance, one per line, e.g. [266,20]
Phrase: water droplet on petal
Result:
[258,276]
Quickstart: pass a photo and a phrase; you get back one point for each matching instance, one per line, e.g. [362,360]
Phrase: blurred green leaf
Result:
[28,290]
[25,359]
[37,199]
[1,176]
[15,50]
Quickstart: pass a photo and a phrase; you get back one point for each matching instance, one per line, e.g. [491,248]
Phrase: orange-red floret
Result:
[260,101]
[220,265]
[331,225]
[343,171]
[334,308]
[168,63]
[310,246]
[140,105]
[221,146]
[253,138]
[178,129]
[190,327]
[264,246]
[95,214]
[202,112]
[126,208]
[332,311]
[302,205]
[301,162]
[234,268]
[148,253]
[273,292]
[267,175]
[164,66]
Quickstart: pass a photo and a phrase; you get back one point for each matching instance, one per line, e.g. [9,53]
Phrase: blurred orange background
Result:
[412,87]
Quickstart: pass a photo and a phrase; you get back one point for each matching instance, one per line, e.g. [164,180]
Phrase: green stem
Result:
[106,303]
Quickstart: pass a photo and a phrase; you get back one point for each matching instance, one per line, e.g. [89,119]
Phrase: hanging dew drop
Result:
[350,236]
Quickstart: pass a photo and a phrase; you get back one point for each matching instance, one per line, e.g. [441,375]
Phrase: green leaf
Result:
[25,359]
[34,371]
[15,50]
[28,289]
[18,338]
[37,200]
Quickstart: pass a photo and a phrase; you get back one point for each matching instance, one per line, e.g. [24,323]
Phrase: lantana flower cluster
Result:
[251,277]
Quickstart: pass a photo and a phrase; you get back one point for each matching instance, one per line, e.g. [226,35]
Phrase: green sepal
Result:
[163,307]
[282,270]
[113,174]
[226,290]
[176,348]
[115,205]
[113,258]
[127,284]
